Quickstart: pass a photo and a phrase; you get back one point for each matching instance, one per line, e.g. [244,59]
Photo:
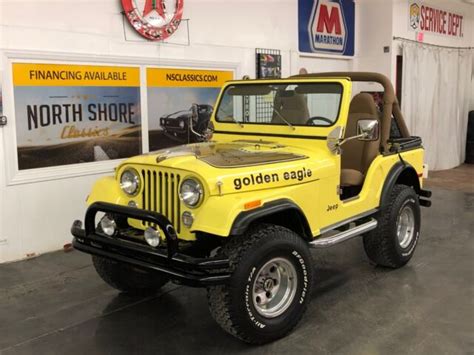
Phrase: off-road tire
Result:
[382,244]
[231,304]
[128,279]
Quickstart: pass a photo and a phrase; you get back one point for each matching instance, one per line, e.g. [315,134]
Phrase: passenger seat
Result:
[357,155]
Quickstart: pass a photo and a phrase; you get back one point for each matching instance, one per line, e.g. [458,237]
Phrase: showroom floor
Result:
[459,179]
[56,304]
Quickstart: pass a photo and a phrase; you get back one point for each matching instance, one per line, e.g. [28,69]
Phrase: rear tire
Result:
[127,278]
[269,288]
[393,242]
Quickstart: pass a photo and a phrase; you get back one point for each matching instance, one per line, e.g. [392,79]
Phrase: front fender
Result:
[246,218]
[106,189]
[227,215]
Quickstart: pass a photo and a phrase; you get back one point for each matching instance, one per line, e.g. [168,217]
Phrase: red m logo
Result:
[327,23]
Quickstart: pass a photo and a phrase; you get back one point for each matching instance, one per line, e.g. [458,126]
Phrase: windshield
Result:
[293,104]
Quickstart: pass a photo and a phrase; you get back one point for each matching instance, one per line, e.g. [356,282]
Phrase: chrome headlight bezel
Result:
[135,181]
[191,192]
[108,225]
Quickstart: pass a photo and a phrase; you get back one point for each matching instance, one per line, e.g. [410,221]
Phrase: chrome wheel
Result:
[274,287]
[405,226]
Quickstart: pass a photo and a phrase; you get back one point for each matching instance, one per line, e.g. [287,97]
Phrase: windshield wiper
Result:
[283,118]
[226,119]
[238,122]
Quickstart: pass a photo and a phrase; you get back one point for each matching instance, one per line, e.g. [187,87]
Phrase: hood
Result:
[243,165]
[178,114]
[231,155]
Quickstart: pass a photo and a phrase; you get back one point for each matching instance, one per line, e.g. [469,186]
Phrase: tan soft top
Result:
[390,102]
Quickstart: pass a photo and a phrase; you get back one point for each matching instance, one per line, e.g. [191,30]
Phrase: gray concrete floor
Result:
[56,304]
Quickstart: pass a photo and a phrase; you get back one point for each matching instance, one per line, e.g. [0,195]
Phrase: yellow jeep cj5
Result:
[290,164]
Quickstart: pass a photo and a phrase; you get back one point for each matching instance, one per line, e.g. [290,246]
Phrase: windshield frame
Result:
[279,82]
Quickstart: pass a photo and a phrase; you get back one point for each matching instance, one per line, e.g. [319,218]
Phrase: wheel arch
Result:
[403,174]
[282,212]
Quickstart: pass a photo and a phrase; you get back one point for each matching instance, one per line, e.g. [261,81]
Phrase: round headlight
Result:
[191,192]
[181,124]
[130,182]
[152,236]
[187,218]
[108,225]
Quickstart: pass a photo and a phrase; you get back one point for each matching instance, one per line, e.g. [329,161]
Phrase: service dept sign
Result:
[429,19]
[326,26]
[155,20]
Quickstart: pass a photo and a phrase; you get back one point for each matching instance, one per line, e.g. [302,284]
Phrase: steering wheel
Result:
[311,120]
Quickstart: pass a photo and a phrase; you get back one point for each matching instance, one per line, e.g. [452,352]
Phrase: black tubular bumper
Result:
[179,267]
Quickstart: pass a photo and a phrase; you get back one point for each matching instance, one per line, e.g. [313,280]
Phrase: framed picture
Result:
[268,65]
[71,114]
[180,104]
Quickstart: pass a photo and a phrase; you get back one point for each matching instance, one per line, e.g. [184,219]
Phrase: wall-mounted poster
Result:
[426,18]
[269,65]
[69,114]
[326,26]
[180,104]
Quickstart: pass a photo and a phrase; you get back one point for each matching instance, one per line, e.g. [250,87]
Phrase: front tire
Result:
[270,285]
[393,242]
[127,278]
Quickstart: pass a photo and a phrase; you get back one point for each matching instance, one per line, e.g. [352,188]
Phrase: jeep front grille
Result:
[160,194]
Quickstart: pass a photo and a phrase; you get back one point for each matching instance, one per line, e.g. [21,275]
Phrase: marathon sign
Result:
[326,26]
[429,19]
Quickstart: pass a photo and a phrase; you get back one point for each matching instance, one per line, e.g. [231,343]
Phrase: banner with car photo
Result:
[180,104]
[69,114]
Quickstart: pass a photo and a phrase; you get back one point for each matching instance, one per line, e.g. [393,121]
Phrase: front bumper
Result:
[179,267]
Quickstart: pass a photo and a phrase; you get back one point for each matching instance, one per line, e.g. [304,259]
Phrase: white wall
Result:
[96,27]
[374,23]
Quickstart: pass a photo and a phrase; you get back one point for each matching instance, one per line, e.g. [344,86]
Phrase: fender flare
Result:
[410,176]
[246,218]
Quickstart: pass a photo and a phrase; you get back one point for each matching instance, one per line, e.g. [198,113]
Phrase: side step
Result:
[325,242]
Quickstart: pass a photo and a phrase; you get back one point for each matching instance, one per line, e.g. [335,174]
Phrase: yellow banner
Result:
[166,77]
[28,74]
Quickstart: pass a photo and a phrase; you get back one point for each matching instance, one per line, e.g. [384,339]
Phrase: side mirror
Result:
[367,130]
[334,139]
[208,132]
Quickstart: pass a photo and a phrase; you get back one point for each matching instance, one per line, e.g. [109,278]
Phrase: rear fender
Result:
[401,173]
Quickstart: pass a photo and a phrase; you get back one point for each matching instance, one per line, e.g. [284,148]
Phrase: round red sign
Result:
[154,19]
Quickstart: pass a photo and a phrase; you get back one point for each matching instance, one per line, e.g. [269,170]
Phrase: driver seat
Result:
[357,155]
[292,107]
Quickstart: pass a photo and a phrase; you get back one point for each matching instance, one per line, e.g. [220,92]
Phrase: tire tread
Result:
[378,243]
[219,298]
